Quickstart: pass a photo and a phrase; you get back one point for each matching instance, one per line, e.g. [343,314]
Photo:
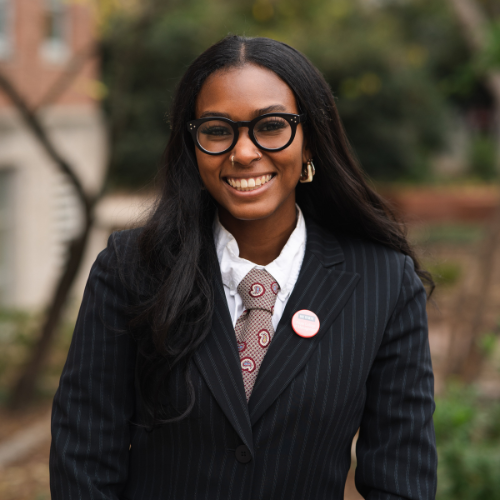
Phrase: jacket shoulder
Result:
[352,253]
[124,242]
[120,257]
[364,253]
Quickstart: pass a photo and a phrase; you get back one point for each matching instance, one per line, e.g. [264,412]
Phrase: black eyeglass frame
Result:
[291,118]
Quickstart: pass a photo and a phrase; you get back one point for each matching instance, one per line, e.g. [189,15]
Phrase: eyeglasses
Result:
[216,135]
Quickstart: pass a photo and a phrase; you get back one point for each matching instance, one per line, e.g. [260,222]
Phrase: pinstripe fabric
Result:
[368,367]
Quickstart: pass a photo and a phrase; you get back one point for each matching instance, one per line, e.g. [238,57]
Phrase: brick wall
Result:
[27,63]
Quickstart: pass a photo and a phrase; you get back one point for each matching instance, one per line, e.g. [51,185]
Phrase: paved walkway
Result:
[24,441]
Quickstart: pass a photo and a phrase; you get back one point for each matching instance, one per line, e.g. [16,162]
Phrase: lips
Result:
[249,183]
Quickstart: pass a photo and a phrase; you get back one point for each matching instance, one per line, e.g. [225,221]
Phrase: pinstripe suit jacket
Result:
[368,367]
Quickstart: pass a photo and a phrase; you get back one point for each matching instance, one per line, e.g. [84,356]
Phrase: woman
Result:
[193,372]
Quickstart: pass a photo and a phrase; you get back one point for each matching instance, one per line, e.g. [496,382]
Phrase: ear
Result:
[306,153]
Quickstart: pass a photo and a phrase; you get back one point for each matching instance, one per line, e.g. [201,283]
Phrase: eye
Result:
[271,125]
[216,130]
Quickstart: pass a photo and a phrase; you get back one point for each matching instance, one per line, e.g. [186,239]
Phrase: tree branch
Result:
[475,28]
[24,386]
[473,21]
[37,129]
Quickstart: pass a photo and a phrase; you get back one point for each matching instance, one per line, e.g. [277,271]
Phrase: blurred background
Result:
[85,88]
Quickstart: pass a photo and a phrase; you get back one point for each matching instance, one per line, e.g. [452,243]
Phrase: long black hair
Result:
[176,252]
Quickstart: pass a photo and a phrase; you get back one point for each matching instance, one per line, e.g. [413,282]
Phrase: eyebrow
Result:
[270,109]
[262,111]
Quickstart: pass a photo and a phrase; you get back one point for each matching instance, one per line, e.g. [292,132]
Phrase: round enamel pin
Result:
[305,323]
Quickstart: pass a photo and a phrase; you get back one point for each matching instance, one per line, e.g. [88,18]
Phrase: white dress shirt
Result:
[284,269]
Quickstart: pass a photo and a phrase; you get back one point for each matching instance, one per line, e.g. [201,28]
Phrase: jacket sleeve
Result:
[396,449]
[95,400]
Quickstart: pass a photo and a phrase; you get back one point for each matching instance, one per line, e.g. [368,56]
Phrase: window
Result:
[6,227]
[55,31]
[5,28]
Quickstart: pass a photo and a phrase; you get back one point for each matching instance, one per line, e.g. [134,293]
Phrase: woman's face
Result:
[241,94]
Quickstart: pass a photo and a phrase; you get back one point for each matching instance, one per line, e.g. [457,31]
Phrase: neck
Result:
[261,241]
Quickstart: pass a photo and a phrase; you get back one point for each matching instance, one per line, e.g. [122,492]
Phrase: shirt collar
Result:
[234,268]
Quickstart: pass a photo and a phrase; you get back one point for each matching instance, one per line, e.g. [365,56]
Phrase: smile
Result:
[248,184]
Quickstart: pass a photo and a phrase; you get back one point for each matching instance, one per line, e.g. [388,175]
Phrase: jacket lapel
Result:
[319,288]
[218,361]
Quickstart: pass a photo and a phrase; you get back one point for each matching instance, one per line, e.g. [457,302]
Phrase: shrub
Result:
[468,439]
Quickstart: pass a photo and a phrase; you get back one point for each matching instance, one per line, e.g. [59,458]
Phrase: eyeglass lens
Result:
[270,132]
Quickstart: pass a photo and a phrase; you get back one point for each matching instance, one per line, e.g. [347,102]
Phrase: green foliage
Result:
[468,439]
[18,332]
[491,57]
[384,64]
[488,343]
[16,329]
[445,273]
[483,157]
[449,233]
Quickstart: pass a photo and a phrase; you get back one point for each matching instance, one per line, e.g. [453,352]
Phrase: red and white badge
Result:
[305,323]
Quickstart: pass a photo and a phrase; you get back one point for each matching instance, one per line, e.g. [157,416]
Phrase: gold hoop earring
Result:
[308,172]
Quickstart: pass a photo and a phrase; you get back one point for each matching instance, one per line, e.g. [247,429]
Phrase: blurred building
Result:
[44,51]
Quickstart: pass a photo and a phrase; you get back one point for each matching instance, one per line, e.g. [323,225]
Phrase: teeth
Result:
[249,184]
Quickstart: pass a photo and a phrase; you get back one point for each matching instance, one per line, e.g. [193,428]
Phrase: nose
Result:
[245,151]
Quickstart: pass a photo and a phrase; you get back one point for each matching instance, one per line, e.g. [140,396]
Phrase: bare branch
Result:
[24,386]
[473,21]
[475,28]
[37,129]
